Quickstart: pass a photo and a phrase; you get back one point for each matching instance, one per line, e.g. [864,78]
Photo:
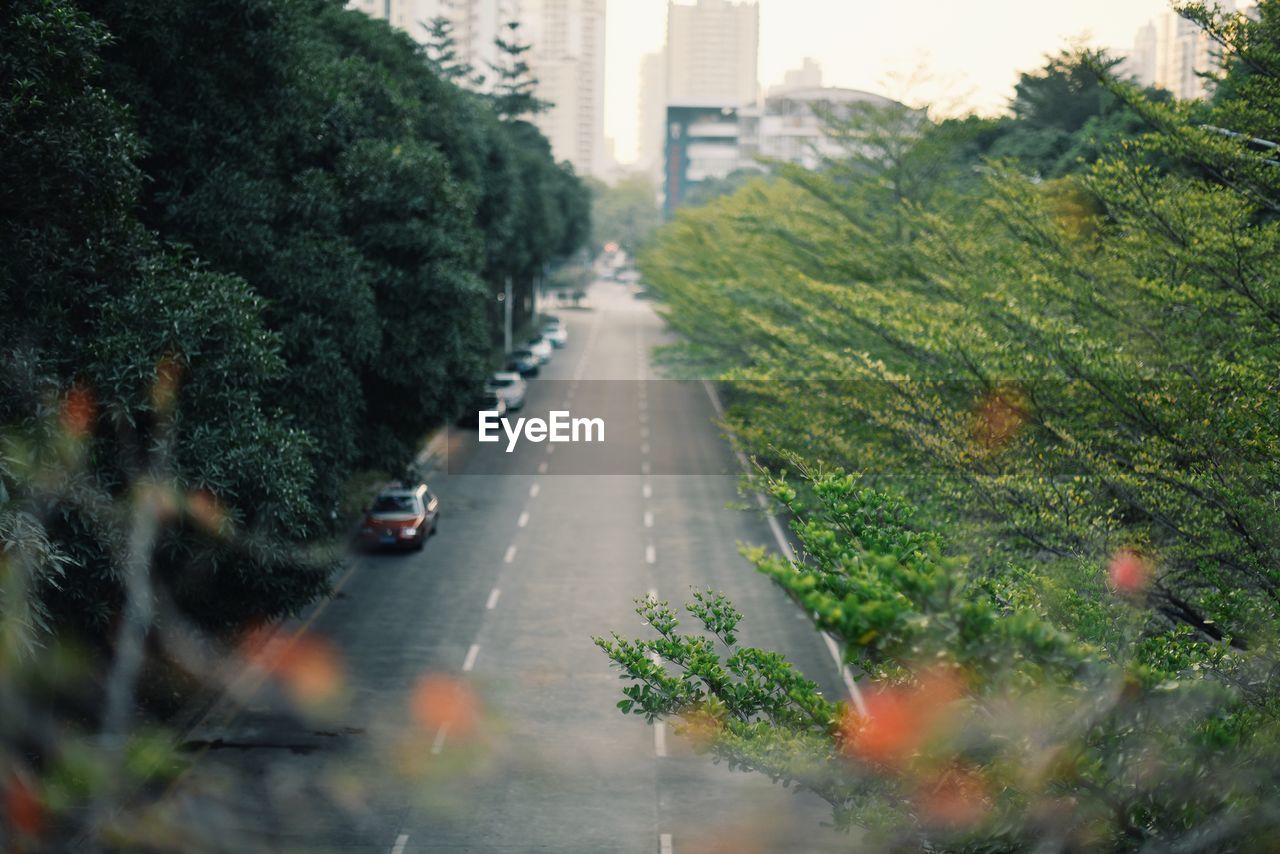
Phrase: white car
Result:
[541,348]
[509,387]
[556,334]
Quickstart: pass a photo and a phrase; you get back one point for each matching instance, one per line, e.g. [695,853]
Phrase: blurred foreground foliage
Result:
[1049,346]
[247,249]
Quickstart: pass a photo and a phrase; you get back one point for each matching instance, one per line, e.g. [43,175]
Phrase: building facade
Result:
[711,73]
[1175,54]
[652,113]
[568,59]
[791,125]
[713,49]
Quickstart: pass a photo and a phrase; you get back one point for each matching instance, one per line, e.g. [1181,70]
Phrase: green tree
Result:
[627,213]
[515,87]
[1074,379]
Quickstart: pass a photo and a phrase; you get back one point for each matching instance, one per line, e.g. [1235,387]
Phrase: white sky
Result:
[972,50]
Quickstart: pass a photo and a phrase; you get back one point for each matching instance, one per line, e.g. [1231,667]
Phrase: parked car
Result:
[487,402]
[400,518]
[540,348]
[509,387]
[555,333]
[524,363]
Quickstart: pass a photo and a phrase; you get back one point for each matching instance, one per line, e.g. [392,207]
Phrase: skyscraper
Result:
[568,59]
[401,14]
[653,112]
[476,24]
[712,53]
[1173,53]
[711,73]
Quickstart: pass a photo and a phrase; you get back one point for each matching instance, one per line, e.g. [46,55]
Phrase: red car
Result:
[400,518]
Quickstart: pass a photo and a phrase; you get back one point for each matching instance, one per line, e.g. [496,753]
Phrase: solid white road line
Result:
[648,519]
[493,599]
[784,546]
[664,844]
[534,490]
[660,739]
[647,490]
[438,744]
[470,661]
[401,841]
[650,554]
[523,521]
[510,555]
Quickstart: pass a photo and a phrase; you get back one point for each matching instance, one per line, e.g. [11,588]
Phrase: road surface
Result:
[452,700]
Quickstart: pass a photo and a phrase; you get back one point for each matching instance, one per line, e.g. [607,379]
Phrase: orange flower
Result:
[23,809]
[164,391]
[441,702]
[998,417]
[899,719]
[206,510]
[306,665]
[77,412]
[1129,572]
[955,798]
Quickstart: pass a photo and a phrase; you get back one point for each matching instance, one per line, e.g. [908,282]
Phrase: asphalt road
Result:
[453,700]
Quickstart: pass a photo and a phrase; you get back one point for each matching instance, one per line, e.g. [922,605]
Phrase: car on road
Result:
[487,402]
[540,348]
[509,387]
[556,334]
[400,517]
[524,363]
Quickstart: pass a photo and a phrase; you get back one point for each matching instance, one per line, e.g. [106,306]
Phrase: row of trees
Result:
[248,247]
[1047,349]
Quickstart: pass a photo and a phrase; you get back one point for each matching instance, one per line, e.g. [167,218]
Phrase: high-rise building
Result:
[401,14]
[476,26]
[713,49]
[568,60]
[712,72]
[1174,54]
[653,112]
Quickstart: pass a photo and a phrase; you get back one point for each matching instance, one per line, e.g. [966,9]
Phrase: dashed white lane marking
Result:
[664,844]
[551,449]
[660,739]
[775,528]
[401,841]
[645,468]
[523,521]
[438,744]
[644,448]
[653,594]
[650,554]
[470,661]
[534,490]
[644,432]
[644,418]
[510,555]
[493,599]
[542,468]
[647,490]
[644,404]
[648,519]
